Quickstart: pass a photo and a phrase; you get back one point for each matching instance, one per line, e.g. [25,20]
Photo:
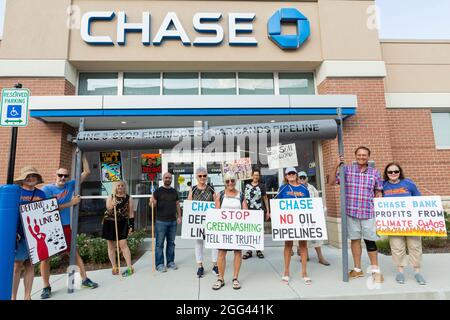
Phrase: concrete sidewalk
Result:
[260,279]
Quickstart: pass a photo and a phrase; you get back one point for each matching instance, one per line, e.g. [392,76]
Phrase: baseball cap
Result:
[290,169]
[302,174]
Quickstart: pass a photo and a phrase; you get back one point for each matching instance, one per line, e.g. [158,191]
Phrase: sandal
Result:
[236,284]
[218,284]
[247,255]
[115,271]
[259,254]
[307,280]
[285,279]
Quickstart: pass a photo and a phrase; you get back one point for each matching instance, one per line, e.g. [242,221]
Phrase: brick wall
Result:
[41,144]
[369,127]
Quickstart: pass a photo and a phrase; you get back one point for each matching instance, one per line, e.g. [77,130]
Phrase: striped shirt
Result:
[360,190]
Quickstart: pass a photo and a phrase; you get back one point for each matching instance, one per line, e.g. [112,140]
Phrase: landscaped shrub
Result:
[383,246]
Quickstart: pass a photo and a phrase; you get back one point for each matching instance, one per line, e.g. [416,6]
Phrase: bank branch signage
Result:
[208,25]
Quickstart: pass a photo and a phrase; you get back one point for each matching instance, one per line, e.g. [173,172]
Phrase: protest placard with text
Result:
[194,216]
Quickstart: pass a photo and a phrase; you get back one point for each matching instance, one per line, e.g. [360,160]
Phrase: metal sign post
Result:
[340,131]
[74,222]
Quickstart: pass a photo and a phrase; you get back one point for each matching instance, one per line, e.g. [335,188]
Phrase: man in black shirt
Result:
[168,213]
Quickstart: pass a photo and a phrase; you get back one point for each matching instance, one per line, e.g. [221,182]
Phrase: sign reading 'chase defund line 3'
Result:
[194,217]
[298,219]
[410,216]
[234,229]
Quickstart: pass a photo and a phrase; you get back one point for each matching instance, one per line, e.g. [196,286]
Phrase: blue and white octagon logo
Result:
[288,41]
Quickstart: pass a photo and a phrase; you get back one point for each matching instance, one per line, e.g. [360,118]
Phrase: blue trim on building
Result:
[191,112]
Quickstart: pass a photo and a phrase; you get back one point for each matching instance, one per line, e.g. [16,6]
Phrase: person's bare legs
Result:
[16,278]
[45,272]
[28,279]
[304,254]
[287,256]
[80,265]
[112,253]
[356,253]
[125,251]
[373,257]
[237,263]
[221,262]
[320,255]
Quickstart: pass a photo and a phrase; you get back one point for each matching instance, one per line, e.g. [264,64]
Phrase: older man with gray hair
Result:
[203,192]
[168,213]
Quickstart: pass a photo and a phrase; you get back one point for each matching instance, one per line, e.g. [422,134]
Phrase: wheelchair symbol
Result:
[14,111]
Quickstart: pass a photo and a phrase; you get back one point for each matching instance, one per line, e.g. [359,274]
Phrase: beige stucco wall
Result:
[417,66]
[35,30]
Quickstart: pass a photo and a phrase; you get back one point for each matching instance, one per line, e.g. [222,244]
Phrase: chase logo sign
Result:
[288,41]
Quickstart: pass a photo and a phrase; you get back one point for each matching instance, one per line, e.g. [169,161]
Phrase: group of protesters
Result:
[363,183]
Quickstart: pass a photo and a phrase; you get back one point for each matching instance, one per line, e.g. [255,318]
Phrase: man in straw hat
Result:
[28,180]
[63,190]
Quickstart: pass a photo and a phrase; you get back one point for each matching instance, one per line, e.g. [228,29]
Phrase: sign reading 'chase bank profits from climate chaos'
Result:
[207,24]
[298,219]
[410,216]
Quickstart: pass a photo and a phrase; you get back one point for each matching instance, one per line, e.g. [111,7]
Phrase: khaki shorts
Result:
[362,229]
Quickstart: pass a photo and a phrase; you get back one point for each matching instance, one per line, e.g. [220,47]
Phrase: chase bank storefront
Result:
[202,82]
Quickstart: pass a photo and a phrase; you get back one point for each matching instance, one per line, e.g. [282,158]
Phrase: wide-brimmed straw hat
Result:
[27,170]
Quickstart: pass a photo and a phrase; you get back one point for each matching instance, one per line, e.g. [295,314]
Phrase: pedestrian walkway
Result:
[260,279]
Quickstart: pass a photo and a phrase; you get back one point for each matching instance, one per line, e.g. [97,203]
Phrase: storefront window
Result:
[218,83]
[256,83]
[141,83]
[185,83]
[296,83]
[441,128]
[101,84]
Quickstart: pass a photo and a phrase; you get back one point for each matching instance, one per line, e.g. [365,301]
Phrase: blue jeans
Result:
[165,230]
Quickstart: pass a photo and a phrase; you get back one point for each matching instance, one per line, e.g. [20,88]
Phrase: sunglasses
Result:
[202,175]
[62,175]
[302,178]
[230,181]
[290,173]
[394,172]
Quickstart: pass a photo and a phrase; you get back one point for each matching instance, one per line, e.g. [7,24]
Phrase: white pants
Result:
[199,247]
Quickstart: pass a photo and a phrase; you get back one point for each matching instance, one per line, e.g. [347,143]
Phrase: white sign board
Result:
[282,156]
[194,216]
[298,219]
[43,229]
[410,216]
[241,168]
[234,229]
[14,108]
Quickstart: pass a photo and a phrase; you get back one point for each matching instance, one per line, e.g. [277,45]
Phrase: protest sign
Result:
[298,219]
[194,216]
[234,229]
[282,156]
[151,165]
[410,216]
[111,166]
[43,229]
[241,168]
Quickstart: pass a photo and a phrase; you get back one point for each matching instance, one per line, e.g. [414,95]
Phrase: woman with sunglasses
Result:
[292,188]
[203,192]
[230,198]
[396,185]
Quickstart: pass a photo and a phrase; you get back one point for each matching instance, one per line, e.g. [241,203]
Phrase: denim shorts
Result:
[362,229]
[21,253]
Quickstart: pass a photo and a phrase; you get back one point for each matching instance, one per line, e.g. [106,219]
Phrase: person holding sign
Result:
[28,180]
[362,184]
[119,210]
[256,196]
[203,192]
[230,198]
[292,188]
[63,190]
[396,185]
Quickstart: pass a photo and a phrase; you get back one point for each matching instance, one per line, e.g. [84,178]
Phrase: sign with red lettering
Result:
[298,219]
[151,166]
[234,229]
[410,216]
[43,229]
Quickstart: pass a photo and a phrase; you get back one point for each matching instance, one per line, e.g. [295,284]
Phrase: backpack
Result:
[222,195]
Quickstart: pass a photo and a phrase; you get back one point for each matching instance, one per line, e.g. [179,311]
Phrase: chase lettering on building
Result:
[207,24]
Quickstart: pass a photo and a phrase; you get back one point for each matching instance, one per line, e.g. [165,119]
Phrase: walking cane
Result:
[117,234]
[153,234]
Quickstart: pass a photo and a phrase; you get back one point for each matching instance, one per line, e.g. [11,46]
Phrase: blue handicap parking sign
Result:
[14,111]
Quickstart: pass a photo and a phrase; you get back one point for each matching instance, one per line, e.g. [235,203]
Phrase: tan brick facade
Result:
[43,145]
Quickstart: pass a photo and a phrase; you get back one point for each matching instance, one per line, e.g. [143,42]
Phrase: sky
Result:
[399,19]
